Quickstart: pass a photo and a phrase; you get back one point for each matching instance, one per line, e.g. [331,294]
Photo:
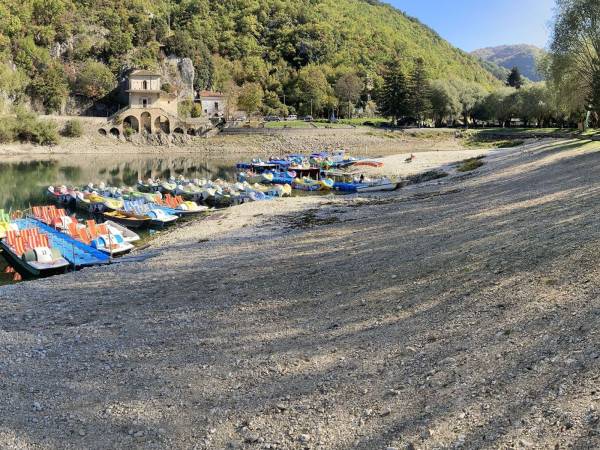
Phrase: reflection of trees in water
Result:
[70,172]
[130,177]
[24,183]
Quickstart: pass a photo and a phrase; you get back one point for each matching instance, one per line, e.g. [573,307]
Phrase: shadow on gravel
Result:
[466,319]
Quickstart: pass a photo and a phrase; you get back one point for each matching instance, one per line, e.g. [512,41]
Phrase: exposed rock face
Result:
[180,73]
[59,49]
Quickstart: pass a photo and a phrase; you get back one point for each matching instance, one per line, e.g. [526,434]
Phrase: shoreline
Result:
[413,317]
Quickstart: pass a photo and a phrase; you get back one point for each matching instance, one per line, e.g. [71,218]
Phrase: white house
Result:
[213,104]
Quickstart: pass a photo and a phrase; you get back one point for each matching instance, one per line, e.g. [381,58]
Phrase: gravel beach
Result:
[458,313]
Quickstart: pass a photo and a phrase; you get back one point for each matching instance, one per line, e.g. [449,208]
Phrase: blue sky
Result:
[472,24]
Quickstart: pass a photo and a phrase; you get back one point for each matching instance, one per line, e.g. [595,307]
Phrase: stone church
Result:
[151,110]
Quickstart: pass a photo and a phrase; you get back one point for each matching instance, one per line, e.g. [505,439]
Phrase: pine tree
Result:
[420,92]
[394,97]
[514,78]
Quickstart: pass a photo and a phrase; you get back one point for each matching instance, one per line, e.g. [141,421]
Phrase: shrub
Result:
[196,110]
[128,131]
[73,129]
[470,164]
[46,133]
[28,128]
[184,108]
[7,130]
[95,80]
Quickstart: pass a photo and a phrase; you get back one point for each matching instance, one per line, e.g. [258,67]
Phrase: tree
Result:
[394,96]
[575,50]
[250,97]
[348,89]
[419,88]
[445,104]
[313,90]
[95,80]
[469,94]
[51,88]
[514,79]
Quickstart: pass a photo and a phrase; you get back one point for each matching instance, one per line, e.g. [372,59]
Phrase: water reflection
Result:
[23,183]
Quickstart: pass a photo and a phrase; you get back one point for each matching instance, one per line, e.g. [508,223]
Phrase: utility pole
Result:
[311,107]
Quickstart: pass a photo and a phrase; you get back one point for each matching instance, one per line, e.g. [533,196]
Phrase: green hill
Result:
[523,56]
[58,49]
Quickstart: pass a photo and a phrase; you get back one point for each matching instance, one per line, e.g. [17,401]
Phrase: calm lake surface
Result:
[23,181]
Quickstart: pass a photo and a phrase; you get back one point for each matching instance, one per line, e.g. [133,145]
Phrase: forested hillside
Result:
[299,49]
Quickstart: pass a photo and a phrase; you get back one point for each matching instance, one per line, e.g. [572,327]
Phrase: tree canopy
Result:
[277,44]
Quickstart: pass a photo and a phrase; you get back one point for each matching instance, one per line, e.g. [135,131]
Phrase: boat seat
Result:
[73,231]
[84,236]
[93,231]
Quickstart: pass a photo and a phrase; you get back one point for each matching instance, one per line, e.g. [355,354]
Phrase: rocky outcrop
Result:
[180,74]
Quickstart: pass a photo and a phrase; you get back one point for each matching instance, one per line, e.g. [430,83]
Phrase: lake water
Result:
[23,181]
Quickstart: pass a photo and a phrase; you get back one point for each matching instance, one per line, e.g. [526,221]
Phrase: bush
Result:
[196,110]
[73,129]
[95,80]
[470,164]
[184,108]
[128,131]
[7,130]
[28,128]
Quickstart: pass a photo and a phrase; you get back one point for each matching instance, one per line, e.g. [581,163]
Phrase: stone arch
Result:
[161,123]
[191,132]
[178,130]
[146,121]
[115,132]
[102,132]
[132,122]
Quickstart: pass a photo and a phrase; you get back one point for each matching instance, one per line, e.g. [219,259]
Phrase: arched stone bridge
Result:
[153,121]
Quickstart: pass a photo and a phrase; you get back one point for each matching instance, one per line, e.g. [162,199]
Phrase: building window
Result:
[145,85]
[145,102]
[216,106]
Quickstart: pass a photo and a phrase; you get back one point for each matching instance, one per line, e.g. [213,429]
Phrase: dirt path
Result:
[462,313]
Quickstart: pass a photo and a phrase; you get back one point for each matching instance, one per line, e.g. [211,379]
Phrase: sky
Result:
[473,24]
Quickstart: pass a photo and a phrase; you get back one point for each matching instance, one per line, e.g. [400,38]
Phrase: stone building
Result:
[213,104]
[151,110]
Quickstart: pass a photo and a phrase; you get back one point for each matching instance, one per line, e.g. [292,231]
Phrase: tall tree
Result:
[250,97]
[394,96]
[420,91]
[576,48]
[445,104]
[348,89]
[514,79]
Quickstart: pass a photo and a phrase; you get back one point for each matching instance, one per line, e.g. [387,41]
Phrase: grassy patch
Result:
[309,219]
[426,176]
[288,124]
[470,164]
[479,141]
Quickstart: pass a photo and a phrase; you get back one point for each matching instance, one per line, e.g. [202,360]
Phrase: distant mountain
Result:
[508,56]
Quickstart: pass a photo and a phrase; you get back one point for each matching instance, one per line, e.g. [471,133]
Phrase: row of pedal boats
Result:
[47,241]
[319,180]
[315,172]
[254,184]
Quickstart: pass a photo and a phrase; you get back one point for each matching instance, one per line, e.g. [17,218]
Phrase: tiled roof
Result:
[204,94]
[145,73]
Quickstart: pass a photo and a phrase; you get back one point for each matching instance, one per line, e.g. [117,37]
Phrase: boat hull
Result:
[28,271]
[128,221]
